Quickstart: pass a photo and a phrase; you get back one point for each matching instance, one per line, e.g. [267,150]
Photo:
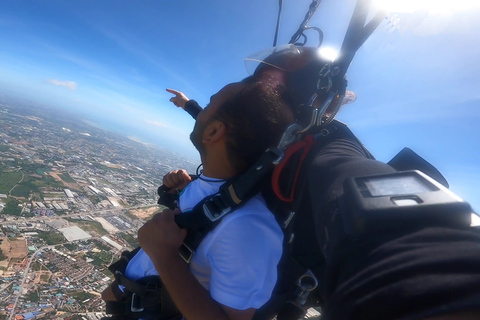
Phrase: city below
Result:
[72,197]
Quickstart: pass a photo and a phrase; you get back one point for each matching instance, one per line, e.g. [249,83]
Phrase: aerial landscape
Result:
[88,130]
[73,197]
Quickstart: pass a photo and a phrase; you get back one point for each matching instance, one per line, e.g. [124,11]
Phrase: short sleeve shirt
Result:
[237,261]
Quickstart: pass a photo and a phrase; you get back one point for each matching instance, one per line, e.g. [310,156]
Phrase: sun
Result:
[328,53]
[432,6]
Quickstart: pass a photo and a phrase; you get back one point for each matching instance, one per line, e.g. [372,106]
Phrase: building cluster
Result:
[44,280]
[75,166]
[71,187]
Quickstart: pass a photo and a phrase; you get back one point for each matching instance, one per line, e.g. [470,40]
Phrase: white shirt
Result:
[237,261]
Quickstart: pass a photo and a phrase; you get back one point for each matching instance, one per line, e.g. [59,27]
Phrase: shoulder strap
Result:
[168,199]
[232,194]
[120,265]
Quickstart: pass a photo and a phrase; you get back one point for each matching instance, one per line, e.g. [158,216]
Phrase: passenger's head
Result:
[254,115]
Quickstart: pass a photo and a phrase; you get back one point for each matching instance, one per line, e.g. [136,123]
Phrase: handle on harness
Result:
[295,307]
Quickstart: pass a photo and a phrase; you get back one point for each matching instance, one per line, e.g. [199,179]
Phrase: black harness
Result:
[298,286]
[145,298]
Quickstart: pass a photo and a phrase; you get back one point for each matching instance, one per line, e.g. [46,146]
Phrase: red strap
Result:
[305,144]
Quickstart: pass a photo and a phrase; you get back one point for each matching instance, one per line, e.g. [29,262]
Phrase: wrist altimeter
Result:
[407,199]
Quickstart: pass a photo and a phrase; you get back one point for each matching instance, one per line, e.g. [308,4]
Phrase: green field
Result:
[29,183]
[52,237]
[8,180]
[41,171]
[36,266]
[32,184]
[11,207]
[48,181]
[88,225]
[100,258]
[71,246]
[82,296]
[129,238]
[66,177]
[23,189]
[32,296]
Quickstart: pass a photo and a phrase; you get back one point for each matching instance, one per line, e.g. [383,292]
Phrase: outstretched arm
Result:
[181,101]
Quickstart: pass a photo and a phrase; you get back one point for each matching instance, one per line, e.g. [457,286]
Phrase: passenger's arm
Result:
[108,295]
[161,238]
[176,180]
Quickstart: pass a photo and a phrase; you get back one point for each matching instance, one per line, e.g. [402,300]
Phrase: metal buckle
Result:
[277,152]
[133,308]
[289,136]
[186,253]
[306,284]
[289,219]
[213,216]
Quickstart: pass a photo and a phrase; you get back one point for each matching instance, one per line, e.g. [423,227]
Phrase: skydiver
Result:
[420,272]
[428,270]
[230,274]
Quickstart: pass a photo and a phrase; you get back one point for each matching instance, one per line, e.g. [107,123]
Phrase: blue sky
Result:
[416,78]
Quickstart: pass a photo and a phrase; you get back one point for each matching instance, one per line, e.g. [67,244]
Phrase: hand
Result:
[161,237]
[179,100]
[177,179]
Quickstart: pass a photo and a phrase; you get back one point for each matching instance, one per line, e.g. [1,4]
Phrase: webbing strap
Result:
[231,195]
[357,33]
[120,265]
[148,286]
[311,10]
[145,298]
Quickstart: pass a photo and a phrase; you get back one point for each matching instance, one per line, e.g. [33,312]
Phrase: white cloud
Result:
[67,84]
[156,123]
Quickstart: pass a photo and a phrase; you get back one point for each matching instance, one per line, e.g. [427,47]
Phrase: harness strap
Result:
[141,297]
[146,287]
[165,198]
[145,298]
[119,294]
[357,33]
[232,194]
[119,266]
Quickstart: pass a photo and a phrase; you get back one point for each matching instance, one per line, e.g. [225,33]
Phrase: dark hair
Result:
[255,119]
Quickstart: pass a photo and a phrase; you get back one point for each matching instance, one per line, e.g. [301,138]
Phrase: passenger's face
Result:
[207,115]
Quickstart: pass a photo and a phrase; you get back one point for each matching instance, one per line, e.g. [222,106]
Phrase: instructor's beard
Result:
[196,137]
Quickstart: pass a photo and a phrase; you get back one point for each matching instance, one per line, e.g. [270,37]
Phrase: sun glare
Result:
[328,53]
[433,6]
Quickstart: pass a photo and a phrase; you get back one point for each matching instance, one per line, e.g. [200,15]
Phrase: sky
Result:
[417,78]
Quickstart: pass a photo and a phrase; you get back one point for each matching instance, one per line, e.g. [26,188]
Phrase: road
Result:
[25,274]
[23,175]
[31,258]
[5,286]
